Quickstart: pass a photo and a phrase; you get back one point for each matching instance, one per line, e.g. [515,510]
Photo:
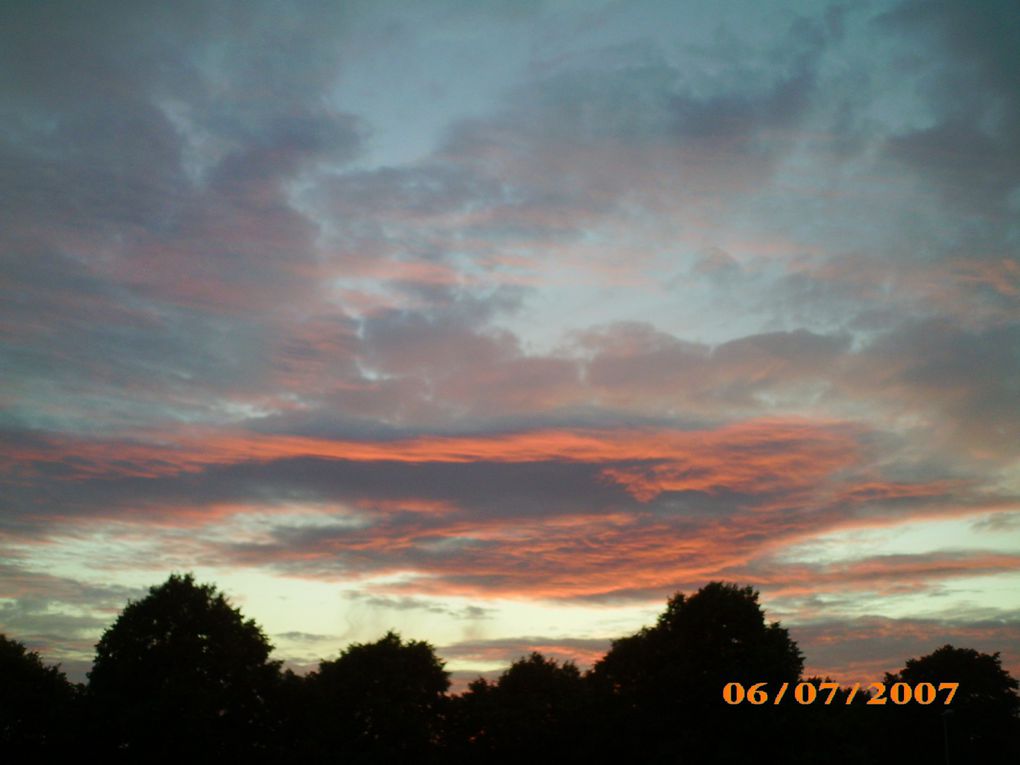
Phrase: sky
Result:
[498,323]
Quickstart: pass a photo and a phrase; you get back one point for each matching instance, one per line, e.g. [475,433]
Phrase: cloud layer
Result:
[518,306]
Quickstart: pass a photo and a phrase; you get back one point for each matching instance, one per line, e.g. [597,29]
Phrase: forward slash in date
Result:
[828,693]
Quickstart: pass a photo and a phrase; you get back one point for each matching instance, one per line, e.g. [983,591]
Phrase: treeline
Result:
[182,676]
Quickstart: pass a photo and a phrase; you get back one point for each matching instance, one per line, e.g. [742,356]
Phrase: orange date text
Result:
[877,694]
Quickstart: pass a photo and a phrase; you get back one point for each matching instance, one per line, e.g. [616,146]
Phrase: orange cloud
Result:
[754,488]
[757,455]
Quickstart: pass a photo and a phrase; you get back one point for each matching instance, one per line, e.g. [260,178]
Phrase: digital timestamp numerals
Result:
[825,693]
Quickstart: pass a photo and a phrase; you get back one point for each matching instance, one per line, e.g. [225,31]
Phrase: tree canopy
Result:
[663,685]
[35,702]
[981,724]
[379,701]
[181,671]
[182,675]
[535,709]
[715,636]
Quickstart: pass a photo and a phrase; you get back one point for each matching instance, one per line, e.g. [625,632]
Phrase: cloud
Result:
[967,378]
[582,651]
[864,649]
[627,514]
[971,151]
[509,302]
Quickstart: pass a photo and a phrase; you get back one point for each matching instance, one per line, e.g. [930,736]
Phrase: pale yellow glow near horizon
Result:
[333,615]
[310,619]
[912,537]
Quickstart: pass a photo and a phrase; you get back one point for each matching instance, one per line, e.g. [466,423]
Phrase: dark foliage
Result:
[534,711]
[36,704]
[661,689]
[181,674]
[983,725]
[377,702]
[836,733]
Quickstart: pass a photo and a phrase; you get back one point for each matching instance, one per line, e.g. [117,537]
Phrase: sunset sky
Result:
[497,323]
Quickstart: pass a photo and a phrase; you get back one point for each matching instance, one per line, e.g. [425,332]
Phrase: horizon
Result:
[564,652]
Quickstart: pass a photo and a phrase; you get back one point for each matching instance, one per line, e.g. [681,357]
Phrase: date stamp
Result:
[826,693]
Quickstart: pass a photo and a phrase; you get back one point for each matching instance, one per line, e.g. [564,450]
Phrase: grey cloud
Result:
[715,262]
[1005,523]
[400,342]
[494,490]
[60,617]
[973,150]
[408,193]
[969,377]
[591,134]
[510,649]
[131,272]
[304,637]
[82,338]
[634,357]
[722,119]
[466,366]
[408,603]
[40,620]
[634,92]
[880,644]
[37,586]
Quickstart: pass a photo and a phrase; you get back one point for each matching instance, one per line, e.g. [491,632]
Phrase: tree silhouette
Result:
[378,702]
[661,689]
[844,731]
[534,710]
[36,704]
[981,724]
[180,673]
